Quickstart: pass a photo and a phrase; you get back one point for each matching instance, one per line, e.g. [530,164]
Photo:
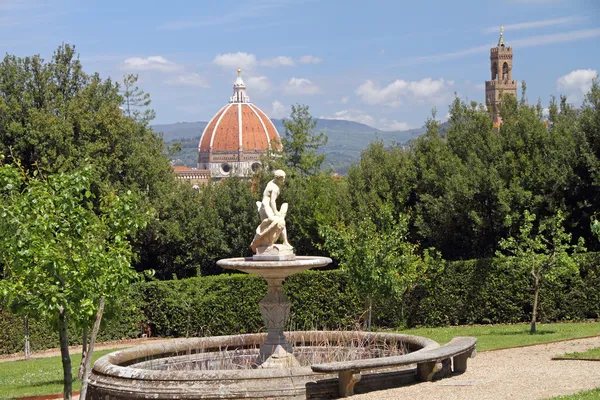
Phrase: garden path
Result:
[524,373]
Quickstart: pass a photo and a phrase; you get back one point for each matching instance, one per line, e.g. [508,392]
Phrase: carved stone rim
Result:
[116,364]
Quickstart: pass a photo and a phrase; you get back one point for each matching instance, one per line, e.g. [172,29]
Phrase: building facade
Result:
[502,82]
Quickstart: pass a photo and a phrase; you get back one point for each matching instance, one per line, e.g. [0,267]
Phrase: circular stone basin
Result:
[274,269]
[193,368]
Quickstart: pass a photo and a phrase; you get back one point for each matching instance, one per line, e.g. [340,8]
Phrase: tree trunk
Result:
[88,356]
[535,305]
[27,344]
[65,357]
[84,350]
[370,308]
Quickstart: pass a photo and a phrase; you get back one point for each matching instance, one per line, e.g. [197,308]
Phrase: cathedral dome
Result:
[236,136]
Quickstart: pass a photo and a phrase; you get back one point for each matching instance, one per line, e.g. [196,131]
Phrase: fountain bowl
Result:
[167,370]
[274,269]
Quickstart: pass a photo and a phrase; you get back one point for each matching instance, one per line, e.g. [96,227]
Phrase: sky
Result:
[383,63]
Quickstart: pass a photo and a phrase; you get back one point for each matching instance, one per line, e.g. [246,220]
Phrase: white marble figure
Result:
[272,225]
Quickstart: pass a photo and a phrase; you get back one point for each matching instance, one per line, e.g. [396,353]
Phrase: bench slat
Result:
[456,346]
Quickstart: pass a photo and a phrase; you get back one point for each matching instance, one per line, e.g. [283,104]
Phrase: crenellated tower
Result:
[501,59]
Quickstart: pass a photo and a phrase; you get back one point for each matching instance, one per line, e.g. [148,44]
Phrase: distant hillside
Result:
[346,139]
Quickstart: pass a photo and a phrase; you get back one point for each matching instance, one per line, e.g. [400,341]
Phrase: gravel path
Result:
[525,373]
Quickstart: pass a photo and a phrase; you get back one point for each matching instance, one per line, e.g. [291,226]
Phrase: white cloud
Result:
[258,83]
[531,41]
[301,86]
[353,115]
[576,84]
[279,61]
[393,125]
[398,91]
[535,24]
[555,38]
[152,63]
[343,100]
[193,79]
[278,110]
[364,118]
[310,60]
[235,60]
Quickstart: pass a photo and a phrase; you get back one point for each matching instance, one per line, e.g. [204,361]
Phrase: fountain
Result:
[271,365]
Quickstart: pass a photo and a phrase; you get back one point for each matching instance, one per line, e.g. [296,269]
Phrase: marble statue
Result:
[272,225]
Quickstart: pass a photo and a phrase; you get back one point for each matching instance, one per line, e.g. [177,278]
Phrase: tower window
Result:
[494,71]
[505,72]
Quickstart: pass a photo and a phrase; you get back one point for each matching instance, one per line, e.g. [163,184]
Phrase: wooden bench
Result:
[459,348]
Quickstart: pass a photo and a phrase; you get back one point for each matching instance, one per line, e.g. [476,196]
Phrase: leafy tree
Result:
[60,257]
[546,252]
[375,254]
[300,141]
[383,175]
[136,101]
[54,116]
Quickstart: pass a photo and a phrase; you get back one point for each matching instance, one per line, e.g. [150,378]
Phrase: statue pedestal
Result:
[275,252]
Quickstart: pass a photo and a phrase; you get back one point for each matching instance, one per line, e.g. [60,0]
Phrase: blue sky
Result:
[384,63]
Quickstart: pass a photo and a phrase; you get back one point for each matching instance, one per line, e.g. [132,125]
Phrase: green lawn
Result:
[590,354]
[491,337]
[587,395]
[38,376]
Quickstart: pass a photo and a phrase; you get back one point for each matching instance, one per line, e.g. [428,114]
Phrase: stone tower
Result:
[501,58]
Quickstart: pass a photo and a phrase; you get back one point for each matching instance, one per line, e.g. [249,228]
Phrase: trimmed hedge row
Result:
[467,292]
[486,292]
[120,321]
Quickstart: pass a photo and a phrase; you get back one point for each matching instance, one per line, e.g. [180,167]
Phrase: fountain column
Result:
[275,310]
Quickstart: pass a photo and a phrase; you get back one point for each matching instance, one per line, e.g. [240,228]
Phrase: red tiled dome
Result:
[240,131]
[239,127]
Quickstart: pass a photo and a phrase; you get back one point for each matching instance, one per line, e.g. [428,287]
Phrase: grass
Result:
[44,375]
[490,337]
[590,354]
[593,394]
[38,376]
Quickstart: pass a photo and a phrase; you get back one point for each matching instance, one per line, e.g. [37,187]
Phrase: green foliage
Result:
[547,254]
[464,292]
[300,142]
[37,377]
[487,291]
[375,254]
[228,304]
[135,100]
[59,255]
[121,320]
[196,228]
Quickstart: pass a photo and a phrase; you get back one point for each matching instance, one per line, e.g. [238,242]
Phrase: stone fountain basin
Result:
[124,374]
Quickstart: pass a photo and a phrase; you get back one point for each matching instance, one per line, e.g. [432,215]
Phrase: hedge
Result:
[485,291]
[466,292]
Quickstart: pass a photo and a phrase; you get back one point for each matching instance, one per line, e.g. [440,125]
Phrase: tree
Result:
[376,256]
[300,141]
[546,252]
[61,255]
[136,101]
